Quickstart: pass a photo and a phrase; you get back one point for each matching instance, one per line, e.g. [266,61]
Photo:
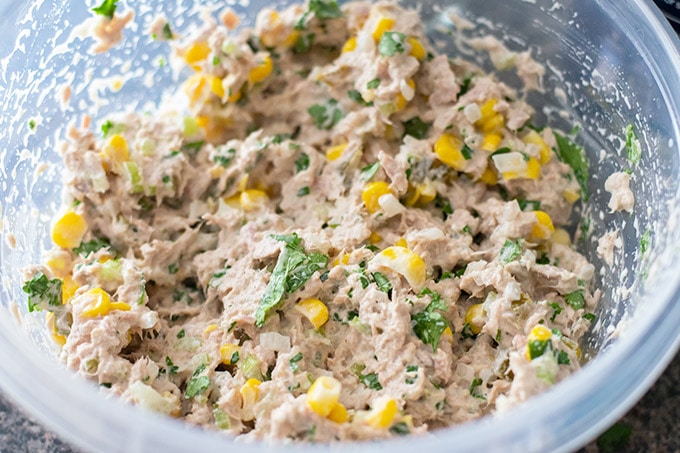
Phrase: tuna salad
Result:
[330,233]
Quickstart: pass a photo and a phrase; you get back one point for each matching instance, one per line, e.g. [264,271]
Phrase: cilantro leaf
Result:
[415,127]
[537,348]
[557,309]
[42,292]
[107,8]
[391,42]
[466,151]
[371,381]
[325,9]
[523,203]
[304,43]
[303,191]
[383,282]
[575,156]
[373,84]
[476,382]
[224,160]
[302,163]
[510,251]
[576,299]
[400,429]
[563,358]
[633,149]
[85,248]
[645,241]
[325,116]
[172,368]
[197,384]
[356,96]
[369,171]
[294,361]
[109,127]
[429,326]
[167,31]
[293,268]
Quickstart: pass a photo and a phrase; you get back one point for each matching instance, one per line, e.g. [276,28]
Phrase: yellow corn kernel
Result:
[491,141]
[338,414]
[401,100]
[227,352]
[487,110]
[216,86]
[447,334]
[196,53]
[350,45]
[475,312]
[68,230]
[384,24]
[405,262]
[209,328]
[571,196]
[291,39]
[122,306]
[334,152]
[324,395]
[58,266]
[401,242]
[261,71]
[116,153]
[314,310]
[253,199]
[249,394]
[99,303]
[534,137]
[532,171]
[448,149]
[489,177]
[412,196]
[54,332]
[428,193]
[372,193]
[539,333]
[417,49]
[543,228]
[561,236]
[490,120]
[382,413]
[68,289]
[343,259]
[193,87]
[374,238]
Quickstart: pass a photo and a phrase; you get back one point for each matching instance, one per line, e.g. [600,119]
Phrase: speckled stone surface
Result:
[654,424]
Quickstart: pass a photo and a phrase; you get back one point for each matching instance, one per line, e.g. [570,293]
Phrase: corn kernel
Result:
[571,196]
[487,110]
[382,413]
[227,353]
[539,333]
[68,230]
[475,312]
[543,228]
[209,328]
[532,170]
[291,39]
[54,332]
[489,177]
[417,49]
[338,414]
[334,152]
[401,100]
[491,141]
[447,334]
[372,193]
[384,24]
[261,71]
[401,242]
[448,149]
[404,262]
[193,87]
[490,120]
[121,306]
[428,193]
[99,303]
[249,394]
[253,199]
[324,395]
[68,289]
[561,236]
[533,137]
[314,310]
[350,45]
[58,266]
[216,86]
[374,238]
[116,153]
[196,53]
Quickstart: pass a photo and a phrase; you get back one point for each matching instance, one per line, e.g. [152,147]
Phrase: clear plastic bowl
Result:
[609,64]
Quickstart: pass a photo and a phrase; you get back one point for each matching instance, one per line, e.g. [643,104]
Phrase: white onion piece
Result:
[508,162]
[472,112]
[274,341]
[390,205]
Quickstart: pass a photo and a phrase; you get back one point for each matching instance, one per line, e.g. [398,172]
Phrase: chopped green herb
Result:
[645,241]
[563,358]
[459,271]
[322,10]
[467,332]
[400,429]
[575,156]
[293,268]
[302,163]
[537,348]
[43,292]
[167,32]
[85,248]
[576,299]
[503,150]
[107,8]
[411,368]
[415,127]
[589,316]
[216,61]
[294,361]
[444,276]
[250,367]
[235,358]
[391,42]
[383,282]
[476,382]
[467,229]
[499,335]
[193,148]
[224,160]
[106,385]
[557,309]
[523,203]
[356,96]
[325,116]
[466,151]
[465,86]
[197,384]
[510,251]
[304,43]
[371,381]
[443,203]
[429,325]
[303,191]
[373,84]
[173,269]
[615,438]
[633,149]
[172,368]
[31,124]
[369,171]
[181,334]
[543,259]
[109,127]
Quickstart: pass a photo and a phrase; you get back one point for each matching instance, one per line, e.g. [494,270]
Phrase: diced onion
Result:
[274,341]
[472,112]
[510,162]
[148,319]
[406,90]
[390,205]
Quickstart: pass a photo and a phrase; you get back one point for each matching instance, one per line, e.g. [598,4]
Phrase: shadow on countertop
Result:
[653,425]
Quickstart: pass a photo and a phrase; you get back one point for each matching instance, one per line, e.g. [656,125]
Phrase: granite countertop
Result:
[651,426]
